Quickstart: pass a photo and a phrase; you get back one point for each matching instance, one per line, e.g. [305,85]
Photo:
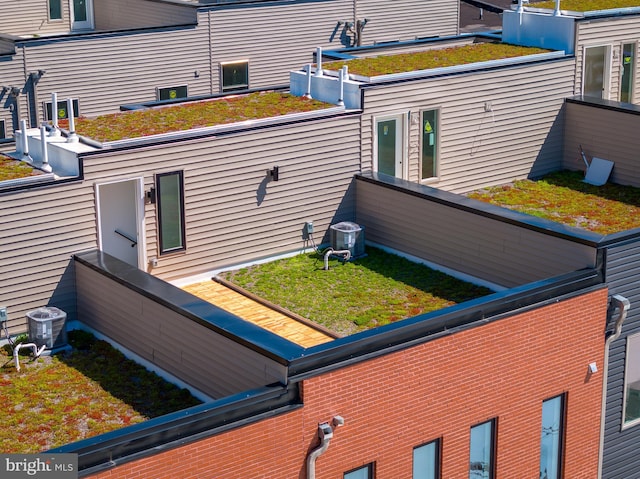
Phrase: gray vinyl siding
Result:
[407,19]
[201,357]
[10,75]
[104,71]
[613,32]
[496,251]
[620,460]
[604,133]
[521,137]
[31,17]
[39,231]
[286,39]
[121,14]
[233,214]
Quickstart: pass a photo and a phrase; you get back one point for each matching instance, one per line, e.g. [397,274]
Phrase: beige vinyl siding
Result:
[390,20]
[201,357]
[521,136]
[604,133]
[612,32]
[31,17]
[39,231]
[11,74]
[274,36]
[494,251]
[233,213]
[121,14]
[104,71]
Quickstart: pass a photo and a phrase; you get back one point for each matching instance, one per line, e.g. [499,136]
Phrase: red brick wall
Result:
[439,389]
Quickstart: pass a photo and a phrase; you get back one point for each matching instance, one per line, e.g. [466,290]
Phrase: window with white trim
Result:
[55,9]
[632,382]
[61,110]
[429,144]
[234,75]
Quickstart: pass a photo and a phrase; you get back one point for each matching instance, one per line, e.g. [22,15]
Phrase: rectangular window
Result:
[552,437]
[55,9]
[626,82]
[171,93]
[62,110]
[481,451]
[3,131]
[170,206]
[429,140]
[365,472]
[632,381]
[426,461]
[235,76]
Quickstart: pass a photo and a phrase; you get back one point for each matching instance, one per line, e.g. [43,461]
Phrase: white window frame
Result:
[86,25]
[401,146]
[49,11]
[631,339]
[227,89]
[606,81]
[633,69]
[76,109]
[436,176]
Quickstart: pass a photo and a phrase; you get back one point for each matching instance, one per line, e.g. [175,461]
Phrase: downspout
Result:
[325,433]
[622,304]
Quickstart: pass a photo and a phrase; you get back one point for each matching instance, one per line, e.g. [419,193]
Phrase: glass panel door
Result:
[389,146]
[594,71]
[81,14]
[628,60]
[429,144]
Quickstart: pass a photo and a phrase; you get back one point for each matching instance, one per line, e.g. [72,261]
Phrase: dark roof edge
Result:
[421,329]
[206,314]
[177,429]
[605,104]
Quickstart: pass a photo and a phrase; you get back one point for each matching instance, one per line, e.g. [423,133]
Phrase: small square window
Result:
[55,9]
[235,76]
[172,93]
[62,110]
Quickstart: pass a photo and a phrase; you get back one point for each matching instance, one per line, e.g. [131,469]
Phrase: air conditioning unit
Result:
[46,327]
[348,236]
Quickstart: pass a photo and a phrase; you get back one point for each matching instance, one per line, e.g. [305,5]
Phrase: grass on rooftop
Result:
[186,116]
[371,291]
[91,390]
[563,197]
[444,57]
[587,5]
[12,169]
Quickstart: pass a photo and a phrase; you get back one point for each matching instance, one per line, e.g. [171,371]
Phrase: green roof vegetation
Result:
[77,394]
[11,169]
[587,5]
[565,198]
[186,116]
[444,57]
[340,298]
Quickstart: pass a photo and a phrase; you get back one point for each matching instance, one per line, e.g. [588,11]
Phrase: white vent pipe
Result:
[308,93]
[45,154]
[24,141]
[556,12]
[319,61]
[343,252]
[341,80]
[73,138]
[54,115]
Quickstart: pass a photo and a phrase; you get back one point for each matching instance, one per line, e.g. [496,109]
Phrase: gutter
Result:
[621,304]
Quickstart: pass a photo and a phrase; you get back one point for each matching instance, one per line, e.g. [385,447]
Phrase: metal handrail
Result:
[126,236]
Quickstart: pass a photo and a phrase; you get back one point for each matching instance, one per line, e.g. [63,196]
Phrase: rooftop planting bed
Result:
[565,198]
[587,5]
[186,116]
[12,169]
[430,59]
[70,396]
[374,290]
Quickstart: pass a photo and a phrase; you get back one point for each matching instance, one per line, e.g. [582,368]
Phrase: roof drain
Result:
[330,251]
[621,304]
[325,433]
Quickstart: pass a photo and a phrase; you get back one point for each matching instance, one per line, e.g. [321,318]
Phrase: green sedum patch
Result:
[587,5]
[186,116]
[563,197]
[12,169]
[71,396]
[371,291]
[444,57]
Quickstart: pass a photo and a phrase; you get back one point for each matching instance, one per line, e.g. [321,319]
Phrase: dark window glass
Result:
[235,76]
[55,9]
[62,110]
[481,451]
[170,204]
[172,93]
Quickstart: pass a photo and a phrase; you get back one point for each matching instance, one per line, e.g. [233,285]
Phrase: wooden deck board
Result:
[249,310]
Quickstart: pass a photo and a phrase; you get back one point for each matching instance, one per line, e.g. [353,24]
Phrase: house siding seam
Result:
[401,400]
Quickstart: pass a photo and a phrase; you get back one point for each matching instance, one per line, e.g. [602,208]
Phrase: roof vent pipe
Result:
[341,80]
[45,154]
[24,141]
[308,93]
[556,12]
[73,138]
[620,304]
[319,61]
[54,115]
[520,9]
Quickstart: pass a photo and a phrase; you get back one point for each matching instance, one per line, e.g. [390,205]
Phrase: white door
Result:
[596,72]
[81,14]
[389,146]
[120,217]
